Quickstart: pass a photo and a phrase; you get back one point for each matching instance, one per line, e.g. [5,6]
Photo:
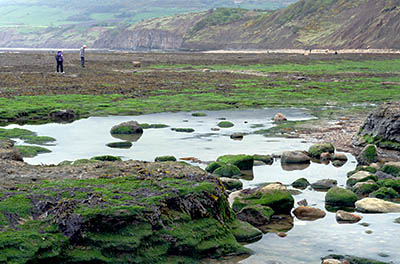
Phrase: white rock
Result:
[374,205]
[331,261]
[359,175]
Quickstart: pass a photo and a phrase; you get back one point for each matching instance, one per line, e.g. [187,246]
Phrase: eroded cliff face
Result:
[156,34]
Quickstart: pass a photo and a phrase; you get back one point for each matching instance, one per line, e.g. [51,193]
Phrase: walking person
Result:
[82,54]
[60,60]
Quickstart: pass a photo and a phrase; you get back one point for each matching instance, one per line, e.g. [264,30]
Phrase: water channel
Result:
[306,242]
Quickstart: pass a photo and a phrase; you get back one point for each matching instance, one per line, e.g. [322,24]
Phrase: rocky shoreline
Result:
[136,212]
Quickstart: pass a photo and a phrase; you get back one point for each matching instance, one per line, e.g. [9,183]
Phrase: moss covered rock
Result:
[243,162]
[126,128]
[385,193]
[392,183]
[392,170]
[340,197]
[183,130]
[231,184]
[360,176]
[280,201]
[31,151]
[245,232]
[368,155]
[365,188]
[143,217]
[213,166]
[121,145]
[227,170]
[316,150]
[107,158]
[301,183]
[256,215]
[225,124]
[165,158]
[267,159]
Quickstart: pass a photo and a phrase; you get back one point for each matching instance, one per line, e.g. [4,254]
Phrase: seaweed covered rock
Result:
[256,215]
[266,159]
[278,199]
[316,150]
[301,183]
[227,170]
[339,197]
[243,162]
[360,176]
[365,188]
[385,193]
[368,155]
[128,131]
[245,232]
[231,184]
[142,217]
[165,158]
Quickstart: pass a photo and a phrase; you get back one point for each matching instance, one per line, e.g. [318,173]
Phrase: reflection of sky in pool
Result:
[306,243]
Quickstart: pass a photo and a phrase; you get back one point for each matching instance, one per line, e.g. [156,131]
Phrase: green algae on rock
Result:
[339,197]
[31,151]
[227,170]
[243,162]
[165,158]
[225,124]
[138,218]
[121,145]
[316,150]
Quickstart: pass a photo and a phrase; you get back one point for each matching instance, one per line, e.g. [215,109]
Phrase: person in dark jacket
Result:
[60,60]
[82,54]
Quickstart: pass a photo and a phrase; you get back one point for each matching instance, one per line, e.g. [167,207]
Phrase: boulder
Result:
[316,150]
[308,213]
[244,232]
[7,152]
[227,170]
[392,183]
[301,183]
[231,184]
[339,156]
[128,131]
[324,184]
[383,123]
[63,115]
[213,166]
[295,157]
[360,176]
[368,155]
[346,217]
[385,193]
[331,261]
[383,176]
[390,169]
[121,145]
[165,158]
[365,188]
[279,117]
[339,197]
[375,205]
[256,215]
[237,136]
[243,162]
[266,159]
[274,196]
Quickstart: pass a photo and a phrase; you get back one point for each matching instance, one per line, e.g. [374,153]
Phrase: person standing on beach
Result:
[60,60]
[82,54]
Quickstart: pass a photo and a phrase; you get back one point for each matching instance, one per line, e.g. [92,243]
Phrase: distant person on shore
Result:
[82,54]
[60,60]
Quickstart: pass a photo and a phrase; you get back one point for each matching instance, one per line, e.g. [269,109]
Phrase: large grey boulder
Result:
[383,122]
[294,157]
